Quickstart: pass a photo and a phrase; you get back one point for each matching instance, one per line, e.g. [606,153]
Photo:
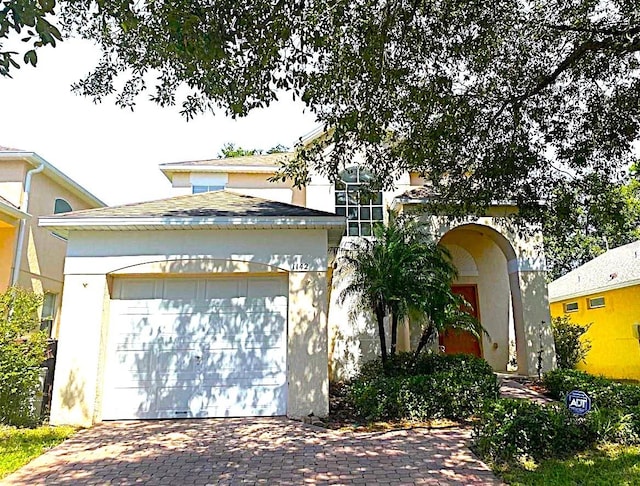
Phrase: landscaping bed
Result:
[532,443]
[432,390]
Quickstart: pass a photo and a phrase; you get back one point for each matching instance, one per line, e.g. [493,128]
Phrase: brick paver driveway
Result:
[262,451]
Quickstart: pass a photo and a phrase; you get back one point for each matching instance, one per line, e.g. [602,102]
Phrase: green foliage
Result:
[604,465]
[402,271]
[604,393]
[570,349]
[30,20]
[434,386]
[22,350]
[494,101]
[513,430]
[585,218]
[509,430]
[230,150]
[19,446]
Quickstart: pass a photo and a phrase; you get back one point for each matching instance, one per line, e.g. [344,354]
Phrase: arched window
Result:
[61,206]
[362,208]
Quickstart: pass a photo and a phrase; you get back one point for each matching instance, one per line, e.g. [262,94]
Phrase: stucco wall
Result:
[12,174]
[43,254]
[94,254]
[614,334]
[7,246]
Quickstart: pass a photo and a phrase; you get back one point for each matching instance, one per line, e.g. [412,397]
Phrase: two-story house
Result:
[30,256]
[220,300]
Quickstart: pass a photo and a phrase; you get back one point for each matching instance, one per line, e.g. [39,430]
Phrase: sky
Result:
[114,153]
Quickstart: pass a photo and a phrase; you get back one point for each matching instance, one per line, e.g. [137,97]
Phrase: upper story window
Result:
[571,307]
[61,206]
[362,208]
[201,189]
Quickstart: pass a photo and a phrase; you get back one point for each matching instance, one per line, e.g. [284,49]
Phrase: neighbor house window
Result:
[201,189]
[61,206]
[362,208]
[571,307]
[596,302]
[48,314]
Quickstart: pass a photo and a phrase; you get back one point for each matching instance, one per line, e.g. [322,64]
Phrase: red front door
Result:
[456,342]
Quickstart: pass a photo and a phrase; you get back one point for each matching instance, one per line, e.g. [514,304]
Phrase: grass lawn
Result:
[19,446]
[605,465]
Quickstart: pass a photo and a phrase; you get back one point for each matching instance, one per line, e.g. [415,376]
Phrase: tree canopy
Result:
[588,219]
[29,19]
[493,101]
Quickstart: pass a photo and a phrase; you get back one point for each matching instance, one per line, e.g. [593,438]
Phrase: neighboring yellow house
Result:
[30,256]
[606,293]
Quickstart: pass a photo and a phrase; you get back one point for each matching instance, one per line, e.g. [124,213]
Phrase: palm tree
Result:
[399,272]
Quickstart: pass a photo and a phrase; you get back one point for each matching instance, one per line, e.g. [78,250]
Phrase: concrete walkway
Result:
[274,451]
[512,389]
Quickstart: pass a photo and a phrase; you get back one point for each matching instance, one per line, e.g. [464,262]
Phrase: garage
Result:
[206,347]
[203,305]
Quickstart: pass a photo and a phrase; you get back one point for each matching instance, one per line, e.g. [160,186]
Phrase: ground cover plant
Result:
[19,446]
[423,387]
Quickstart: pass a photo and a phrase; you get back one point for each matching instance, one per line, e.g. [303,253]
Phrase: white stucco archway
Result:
[512,288]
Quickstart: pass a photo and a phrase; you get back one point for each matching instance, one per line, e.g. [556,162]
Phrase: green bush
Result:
[604,393]
[508,430]
[435,386]
[570,349]
[22,350]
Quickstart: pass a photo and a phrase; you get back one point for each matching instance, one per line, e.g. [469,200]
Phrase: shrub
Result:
[434,386]
[570,349]
[22,350]
[604,393]
[509,430]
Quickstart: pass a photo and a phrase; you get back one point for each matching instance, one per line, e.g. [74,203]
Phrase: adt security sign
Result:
[578,402]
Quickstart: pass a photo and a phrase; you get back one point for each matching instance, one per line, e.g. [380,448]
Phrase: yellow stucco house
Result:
[219,300]
[606,293]
[30,256]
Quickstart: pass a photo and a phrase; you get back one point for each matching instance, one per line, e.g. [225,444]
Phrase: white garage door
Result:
[196,348]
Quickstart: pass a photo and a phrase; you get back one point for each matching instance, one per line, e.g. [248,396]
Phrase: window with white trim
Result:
[596,302]
[571,307]
[61,206]
[201,189]
[363,209]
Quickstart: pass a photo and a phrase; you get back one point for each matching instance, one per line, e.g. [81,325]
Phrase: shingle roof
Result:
[265,160]
[616,268]
[223,204]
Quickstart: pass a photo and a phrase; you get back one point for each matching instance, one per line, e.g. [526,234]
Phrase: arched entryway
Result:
[482,255]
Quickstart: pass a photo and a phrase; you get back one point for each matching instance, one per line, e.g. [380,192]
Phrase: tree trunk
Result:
[383,338]
[394,332]
[424,339]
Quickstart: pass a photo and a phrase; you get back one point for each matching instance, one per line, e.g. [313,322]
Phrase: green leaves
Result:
[15,15]
[22,350]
